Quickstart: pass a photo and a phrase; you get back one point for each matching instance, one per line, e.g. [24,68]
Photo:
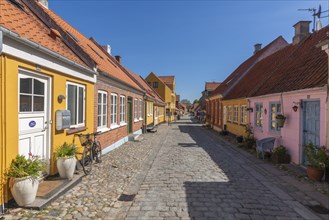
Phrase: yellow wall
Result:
[165,92]
[9,111]
[149,112]
[232,127]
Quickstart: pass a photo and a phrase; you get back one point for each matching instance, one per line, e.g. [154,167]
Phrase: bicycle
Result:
[91,151]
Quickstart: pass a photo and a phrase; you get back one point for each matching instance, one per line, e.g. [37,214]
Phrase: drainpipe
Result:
[23,40]
[325,46]
[2,150]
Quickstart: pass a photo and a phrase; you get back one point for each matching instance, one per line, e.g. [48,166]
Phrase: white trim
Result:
[123,122]
[32,55]
[102,92]
[77,103]
[115,116]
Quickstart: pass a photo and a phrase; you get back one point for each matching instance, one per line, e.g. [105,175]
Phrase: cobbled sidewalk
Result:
[96,197]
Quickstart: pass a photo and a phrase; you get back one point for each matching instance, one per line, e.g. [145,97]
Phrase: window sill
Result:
[123,124]
[136,120]
[114,126]
[75,130]
[141,119]
[102,130]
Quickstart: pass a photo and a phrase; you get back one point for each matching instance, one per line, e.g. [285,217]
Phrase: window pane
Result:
[38,103]
[81,99]
[104,120]
[105,98]
[39,87]
[25,86]
[99,98]
[99,121]
[72,103]
[99,109]
[25,104]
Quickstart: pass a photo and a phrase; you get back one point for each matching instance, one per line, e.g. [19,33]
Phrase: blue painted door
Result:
[311,124]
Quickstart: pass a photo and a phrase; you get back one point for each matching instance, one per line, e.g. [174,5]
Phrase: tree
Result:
[195,101]
[185,102]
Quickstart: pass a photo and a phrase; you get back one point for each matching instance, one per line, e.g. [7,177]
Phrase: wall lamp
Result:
[296,105]
[60,98]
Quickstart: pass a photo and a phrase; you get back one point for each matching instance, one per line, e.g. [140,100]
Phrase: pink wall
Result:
[291,134]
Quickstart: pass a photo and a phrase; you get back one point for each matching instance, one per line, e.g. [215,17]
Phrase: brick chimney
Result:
[118,58]
[302,30]
[258,47]
[44,3]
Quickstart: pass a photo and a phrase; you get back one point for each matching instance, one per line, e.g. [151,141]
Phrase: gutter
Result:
[10,34]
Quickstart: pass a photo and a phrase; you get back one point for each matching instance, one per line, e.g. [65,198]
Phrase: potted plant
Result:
[24,177]
[315,167]
[324,158]
[280,155]
[280,118]
[249,138]
[66,161]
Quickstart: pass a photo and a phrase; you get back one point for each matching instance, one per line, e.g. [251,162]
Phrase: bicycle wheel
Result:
[97,152]
[87,160]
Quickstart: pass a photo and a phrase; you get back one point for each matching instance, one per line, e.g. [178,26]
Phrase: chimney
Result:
[118,58]
[302,30]
[258,47]
[107,48]
[44,3]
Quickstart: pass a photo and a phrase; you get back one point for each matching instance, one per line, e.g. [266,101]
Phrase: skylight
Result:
[95,51]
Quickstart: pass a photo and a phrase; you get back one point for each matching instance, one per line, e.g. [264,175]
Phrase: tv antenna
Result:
[315,14]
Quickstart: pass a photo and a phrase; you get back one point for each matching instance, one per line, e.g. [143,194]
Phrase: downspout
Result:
[45,50]
[2,144]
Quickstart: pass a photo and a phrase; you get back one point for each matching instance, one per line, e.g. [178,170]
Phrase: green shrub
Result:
[315,157]
[21,167]
[65,150]
[280,155]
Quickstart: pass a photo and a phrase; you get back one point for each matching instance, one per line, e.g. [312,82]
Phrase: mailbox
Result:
[63,119]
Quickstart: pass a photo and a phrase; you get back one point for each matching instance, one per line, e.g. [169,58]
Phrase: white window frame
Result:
[235,113]
[135,109]
[259,114]
[229,113]
[123,110]
[103,102]
[114,110]
[243,114]
[140,109]
[272,117]
[77,103]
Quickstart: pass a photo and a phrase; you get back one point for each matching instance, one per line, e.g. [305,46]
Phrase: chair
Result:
[264,145]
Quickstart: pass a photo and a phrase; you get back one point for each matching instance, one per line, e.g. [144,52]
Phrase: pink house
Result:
[297,88]
[292,82]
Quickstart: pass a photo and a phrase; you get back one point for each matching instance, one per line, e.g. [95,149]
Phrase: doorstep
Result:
[51,188]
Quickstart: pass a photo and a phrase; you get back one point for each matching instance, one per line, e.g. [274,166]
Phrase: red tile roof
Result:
[25,23]
[238,73]
[211,86]
[295,67]
[105,62]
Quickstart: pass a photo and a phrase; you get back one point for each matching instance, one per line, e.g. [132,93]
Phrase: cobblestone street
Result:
[183,171]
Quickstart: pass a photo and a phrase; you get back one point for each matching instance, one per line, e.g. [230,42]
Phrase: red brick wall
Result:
[109,137]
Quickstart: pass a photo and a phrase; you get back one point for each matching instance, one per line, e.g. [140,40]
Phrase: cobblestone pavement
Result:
[197,176]
[183,171]
[96,197]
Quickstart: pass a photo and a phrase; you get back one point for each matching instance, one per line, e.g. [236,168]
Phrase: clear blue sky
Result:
[196,41]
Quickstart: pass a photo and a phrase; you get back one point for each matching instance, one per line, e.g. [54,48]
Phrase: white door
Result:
[34,127]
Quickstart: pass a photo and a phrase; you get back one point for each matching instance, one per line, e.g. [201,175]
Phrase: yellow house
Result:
[40,78]
[235,115]
[165,87]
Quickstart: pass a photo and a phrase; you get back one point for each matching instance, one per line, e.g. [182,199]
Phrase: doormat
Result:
[49,187]
[319,209]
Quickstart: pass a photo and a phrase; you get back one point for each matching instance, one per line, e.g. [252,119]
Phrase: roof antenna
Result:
[316,14]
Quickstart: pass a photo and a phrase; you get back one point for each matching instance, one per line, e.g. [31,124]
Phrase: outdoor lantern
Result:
[295,108]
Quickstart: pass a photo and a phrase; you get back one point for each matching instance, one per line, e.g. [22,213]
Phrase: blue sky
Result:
[196,41]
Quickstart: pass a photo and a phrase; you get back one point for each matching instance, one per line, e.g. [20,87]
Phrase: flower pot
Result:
[66,167]
[24,190]
[281,122]
[315,173]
